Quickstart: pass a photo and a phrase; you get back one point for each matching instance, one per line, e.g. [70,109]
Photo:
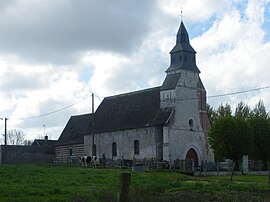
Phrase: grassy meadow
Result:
[68,183]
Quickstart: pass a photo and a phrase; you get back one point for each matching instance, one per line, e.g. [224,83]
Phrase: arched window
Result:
[136,147]
[191,123]
[70,151]
[114,149]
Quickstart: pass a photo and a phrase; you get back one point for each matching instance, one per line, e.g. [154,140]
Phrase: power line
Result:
[180,99]
[224,94]
[27,130]
[52,112]
[238,92]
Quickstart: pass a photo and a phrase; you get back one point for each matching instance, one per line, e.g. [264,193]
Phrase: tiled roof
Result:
[73,131]
[42,142]
[184,49]
[182,40]
[126,111]
[170,82]
[129,111]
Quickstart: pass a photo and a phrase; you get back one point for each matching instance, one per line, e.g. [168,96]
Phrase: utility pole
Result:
[44,130]
[6,131]
[93,136]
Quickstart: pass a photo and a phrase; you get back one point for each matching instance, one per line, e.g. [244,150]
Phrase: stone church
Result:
[167,122]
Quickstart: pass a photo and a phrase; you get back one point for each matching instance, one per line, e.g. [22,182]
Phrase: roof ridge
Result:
[77,115]
[132,92]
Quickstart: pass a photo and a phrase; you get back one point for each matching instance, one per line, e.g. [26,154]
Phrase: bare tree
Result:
[16,137]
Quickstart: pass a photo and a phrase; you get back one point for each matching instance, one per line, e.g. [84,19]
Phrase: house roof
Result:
[129,111]
[73,131]
[42,142]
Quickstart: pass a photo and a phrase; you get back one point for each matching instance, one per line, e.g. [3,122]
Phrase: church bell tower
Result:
[182,55]
[183,70]
[183,91]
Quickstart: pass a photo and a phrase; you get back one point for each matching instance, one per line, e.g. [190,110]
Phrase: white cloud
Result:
[195,10]
[233,55]
[60,52]
[57,31]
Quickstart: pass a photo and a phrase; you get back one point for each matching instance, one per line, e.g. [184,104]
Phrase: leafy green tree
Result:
[242,110]
[224,110]
[212,114]
[260,124]
[260,110]
[261,136]
[231,137]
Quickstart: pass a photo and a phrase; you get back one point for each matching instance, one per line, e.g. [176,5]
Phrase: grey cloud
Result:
[50,120]
[55,31]
[4,4]
[15,82]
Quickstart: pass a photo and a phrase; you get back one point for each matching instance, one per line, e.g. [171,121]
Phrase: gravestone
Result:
[245,164]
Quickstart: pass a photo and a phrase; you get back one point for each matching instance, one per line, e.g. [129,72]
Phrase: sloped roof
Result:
[170,82]
[163,116]
[42,142]
[182,40]
[183,48]
[73,131]
[126,111]
[129,111]
[200,84]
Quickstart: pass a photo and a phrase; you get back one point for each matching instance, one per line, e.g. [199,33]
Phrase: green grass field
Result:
[67,183]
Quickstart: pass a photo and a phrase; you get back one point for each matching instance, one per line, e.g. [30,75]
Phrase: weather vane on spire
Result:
[181,15]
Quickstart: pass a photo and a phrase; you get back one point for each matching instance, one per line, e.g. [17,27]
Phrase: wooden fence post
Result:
[232,170]
[268,173]
[268,177]
[124,187]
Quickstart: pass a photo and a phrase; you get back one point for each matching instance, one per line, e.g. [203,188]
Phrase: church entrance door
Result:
[192,155]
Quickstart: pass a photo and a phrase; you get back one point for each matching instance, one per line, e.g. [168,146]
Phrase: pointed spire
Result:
[182,35]
[182,40]
[183,55]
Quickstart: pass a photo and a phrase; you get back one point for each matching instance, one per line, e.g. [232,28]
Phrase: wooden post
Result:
[268,173]
[93,135]
[124,187]
[232,171]
[217,167]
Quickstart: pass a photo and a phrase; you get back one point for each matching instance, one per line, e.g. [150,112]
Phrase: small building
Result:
[70,144]
[45,142]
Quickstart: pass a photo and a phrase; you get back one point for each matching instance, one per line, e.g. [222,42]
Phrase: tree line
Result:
[244,132]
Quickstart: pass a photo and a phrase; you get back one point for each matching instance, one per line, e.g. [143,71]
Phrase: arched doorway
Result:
[192,155]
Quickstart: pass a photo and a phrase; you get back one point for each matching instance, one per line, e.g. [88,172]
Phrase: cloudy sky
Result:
[54,54]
